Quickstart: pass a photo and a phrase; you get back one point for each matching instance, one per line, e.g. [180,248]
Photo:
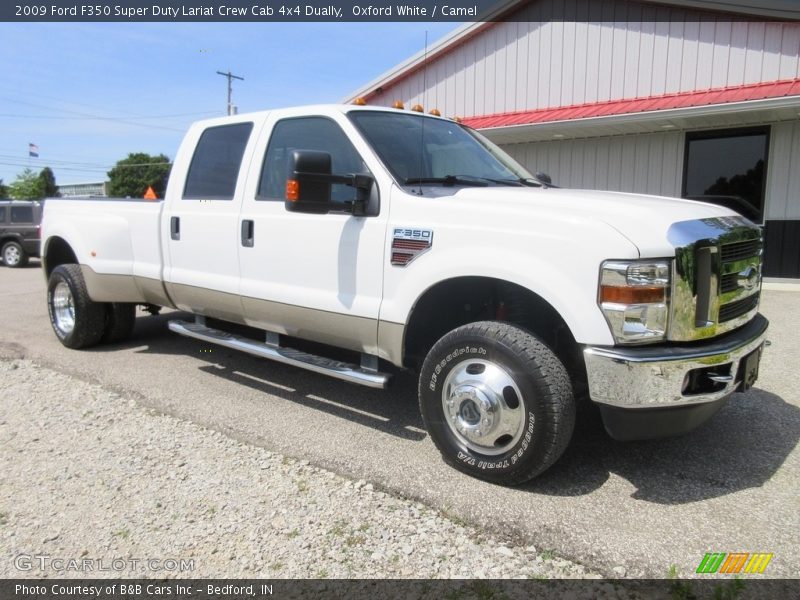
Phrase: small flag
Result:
[33,151]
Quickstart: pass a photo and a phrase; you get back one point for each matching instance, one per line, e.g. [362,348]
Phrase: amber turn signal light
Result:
[398,104]
[292,190]
[637,294]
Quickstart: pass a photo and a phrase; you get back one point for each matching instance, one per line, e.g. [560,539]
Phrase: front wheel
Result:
[497,402]
[14,256]
[77,320]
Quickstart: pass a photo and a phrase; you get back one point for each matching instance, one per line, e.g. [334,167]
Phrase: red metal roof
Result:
[756,91]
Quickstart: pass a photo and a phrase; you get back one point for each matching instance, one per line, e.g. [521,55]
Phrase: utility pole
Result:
[230,77]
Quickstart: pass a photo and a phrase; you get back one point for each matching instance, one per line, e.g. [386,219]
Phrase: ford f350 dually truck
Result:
[410,240]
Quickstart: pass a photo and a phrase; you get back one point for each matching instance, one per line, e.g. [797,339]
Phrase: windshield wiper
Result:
[448,180]
[536,182]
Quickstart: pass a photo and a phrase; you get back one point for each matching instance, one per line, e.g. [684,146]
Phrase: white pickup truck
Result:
[410,240]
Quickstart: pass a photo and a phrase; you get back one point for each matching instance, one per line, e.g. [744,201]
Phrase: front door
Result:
[311,276]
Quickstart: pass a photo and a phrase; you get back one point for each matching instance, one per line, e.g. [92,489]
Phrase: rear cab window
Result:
[216,162]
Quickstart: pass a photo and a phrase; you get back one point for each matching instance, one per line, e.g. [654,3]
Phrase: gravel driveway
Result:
[91,475]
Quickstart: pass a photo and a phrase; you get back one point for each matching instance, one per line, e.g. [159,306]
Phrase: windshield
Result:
[451,153]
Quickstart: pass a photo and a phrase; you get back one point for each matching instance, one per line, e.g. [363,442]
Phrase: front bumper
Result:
[691,381]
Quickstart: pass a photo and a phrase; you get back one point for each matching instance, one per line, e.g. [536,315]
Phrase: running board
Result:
[296,358]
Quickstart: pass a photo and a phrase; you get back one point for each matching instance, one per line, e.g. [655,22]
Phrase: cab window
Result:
[307,133]
[216,162]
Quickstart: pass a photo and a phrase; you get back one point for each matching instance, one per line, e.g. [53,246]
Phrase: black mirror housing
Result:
[308,186]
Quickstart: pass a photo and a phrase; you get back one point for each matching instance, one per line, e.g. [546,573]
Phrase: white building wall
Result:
[783,172]
[650,163]
[639,50]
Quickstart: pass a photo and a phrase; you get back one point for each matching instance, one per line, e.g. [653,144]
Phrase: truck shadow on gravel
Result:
[742,447]
[393,411]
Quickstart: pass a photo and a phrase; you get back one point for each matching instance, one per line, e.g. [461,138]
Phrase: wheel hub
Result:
[11,255]
[483,406]
[63,308]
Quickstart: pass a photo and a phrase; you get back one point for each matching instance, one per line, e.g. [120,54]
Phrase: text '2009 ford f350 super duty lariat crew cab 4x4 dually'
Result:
[412,240]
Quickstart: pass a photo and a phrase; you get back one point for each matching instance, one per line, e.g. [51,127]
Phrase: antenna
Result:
[230,76]
[424,103]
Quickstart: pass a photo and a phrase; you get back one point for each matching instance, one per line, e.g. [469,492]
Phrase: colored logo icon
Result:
[734,562]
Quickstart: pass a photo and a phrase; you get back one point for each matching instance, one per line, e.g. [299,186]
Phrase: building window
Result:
[728,167]
[216,161]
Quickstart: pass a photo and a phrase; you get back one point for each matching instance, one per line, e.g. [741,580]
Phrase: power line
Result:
[82,114]
[97,118]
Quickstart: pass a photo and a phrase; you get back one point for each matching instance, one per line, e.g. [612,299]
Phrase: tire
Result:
[120,319]
[14,256]
[497,402]
[78,321]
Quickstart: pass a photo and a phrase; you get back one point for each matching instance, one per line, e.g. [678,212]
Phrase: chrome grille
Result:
[716,280]
[738,308]
[729,283]
[739,250]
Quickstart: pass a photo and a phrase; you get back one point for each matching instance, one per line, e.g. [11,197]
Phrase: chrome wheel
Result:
[11,255]
[483,406]
[63,308]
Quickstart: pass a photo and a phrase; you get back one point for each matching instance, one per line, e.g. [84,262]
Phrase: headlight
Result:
[633,297]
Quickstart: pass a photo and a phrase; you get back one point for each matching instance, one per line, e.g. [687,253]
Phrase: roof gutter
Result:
[564,126]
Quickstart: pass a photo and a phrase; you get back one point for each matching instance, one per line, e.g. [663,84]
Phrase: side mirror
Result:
[308,186]
[544,178]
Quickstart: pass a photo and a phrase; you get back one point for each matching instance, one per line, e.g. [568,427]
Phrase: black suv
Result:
[19,231]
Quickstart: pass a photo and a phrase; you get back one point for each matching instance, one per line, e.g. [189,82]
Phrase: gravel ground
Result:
[91,475]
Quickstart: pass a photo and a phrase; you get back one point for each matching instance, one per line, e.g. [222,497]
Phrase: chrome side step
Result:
[297,358]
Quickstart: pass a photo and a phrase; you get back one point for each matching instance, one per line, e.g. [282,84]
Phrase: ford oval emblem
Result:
[749,277]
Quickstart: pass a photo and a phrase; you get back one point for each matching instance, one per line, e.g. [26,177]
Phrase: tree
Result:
[132,176]
[3,190]
[27,186]
[48,183]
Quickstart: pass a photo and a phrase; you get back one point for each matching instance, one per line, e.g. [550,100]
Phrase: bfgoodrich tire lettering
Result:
[78,321]
[497,402]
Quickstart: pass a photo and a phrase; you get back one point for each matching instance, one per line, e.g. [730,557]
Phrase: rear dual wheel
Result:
[77,320]
[497,402]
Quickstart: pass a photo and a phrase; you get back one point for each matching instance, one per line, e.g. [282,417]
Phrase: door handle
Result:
[175,228]
[248,233]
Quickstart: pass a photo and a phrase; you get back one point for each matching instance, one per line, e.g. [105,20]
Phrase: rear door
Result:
[200,223]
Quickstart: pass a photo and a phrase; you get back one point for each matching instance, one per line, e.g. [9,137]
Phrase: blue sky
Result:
[88,94]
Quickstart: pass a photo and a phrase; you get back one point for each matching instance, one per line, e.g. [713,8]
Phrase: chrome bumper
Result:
[672,376]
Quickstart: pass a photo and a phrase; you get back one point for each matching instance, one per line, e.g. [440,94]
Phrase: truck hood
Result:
[643,220]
